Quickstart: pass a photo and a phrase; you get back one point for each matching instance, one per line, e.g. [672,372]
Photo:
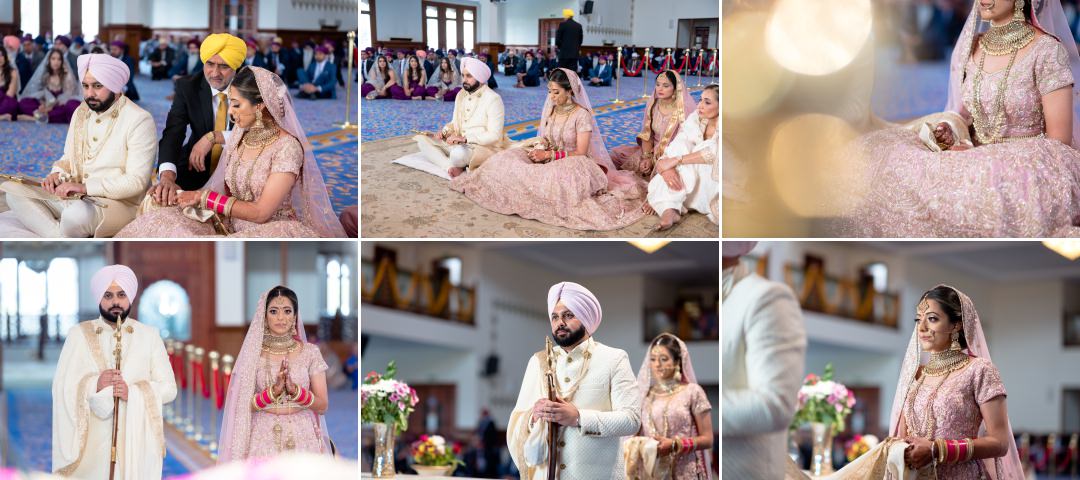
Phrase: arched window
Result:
[29,17]
[63,292]
[91,19]
[338,287]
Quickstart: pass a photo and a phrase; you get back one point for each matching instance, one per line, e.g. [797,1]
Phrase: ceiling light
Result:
[1069,248]
[649,246]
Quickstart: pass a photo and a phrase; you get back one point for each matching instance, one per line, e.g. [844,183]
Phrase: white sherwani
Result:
[764,342]
[607,400]
[700,188]
[82,417]
[479,117]
[113,154]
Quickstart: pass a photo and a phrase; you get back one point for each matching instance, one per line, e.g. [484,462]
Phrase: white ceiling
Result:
[995,260]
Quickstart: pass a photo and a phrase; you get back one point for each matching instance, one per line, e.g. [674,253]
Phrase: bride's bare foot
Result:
[647,209]
[26,118]
[5,117]
[668,219]
[455,171]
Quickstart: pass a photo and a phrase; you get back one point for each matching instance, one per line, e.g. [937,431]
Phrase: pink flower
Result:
[423,438]
[394,397]
[850,400]
[831,399]
[839,408]
[401,406]
[811,378]
[413,398]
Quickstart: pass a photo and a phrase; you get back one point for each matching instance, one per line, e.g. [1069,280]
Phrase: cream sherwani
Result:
[82,416]
[113,154]
[700,187]
[479,117]
[608,402]
[764,351]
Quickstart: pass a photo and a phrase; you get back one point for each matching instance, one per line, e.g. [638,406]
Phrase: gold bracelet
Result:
[210,135]
[229,206]
[202,198]
[970,449]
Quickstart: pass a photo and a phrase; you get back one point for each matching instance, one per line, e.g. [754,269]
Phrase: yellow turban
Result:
[233,50]
[567,13]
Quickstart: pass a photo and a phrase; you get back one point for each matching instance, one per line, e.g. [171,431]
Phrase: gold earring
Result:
[955,341]
[1018,10]
[678,373]
[258,119]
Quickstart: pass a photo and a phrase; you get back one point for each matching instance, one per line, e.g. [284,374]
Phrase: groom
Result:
[87,382]
[597,398]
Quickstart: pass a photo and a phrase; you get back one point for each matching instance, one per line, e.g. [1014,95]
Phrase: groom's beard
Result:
[471,87]
[111,317]
[574,336]
[101,106]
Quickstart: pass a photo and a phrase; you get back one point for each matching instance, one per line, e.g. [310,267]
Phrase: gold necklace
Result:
[1005,39]
[989,126]
[944,363]
[667,387]
[565,109]
[279,344]
[260,137]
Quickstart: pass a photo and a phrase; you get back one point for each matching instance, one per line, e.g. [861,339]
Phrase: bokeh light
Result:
[817,37]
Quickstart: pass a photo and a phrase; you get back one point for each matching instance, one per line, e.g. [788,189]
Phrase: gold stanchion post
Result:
[348,84]
[189,425]
[686,63]
[619,73]
[214,396]
[645,66]
[701,64]
[199,400]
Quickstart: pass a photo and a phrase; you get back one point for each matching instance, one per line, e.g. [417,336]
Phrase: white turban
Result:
[479,70]
[737,249]
[111,72]
[120,274]
[578,300]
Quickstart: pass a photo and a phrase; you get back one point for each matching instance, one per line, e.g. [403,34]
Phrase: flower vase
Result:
[434,471]
[821,461]
[383,464]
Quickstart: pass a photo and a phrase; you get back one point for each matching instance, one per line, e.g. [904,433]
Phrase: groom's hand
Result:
[564,413]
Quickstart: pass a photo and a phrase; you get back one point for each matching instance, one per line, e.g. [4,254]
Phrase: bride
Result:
[949,418]
[1002,161]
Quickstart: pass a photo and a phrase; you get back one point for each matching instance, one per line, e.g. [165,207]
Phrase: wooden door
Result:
[701,37]
[548,27]
[434,414]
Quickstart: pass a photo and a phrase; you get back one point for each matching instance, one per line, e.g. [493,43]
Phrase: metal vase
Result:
[821,461]
[383,464]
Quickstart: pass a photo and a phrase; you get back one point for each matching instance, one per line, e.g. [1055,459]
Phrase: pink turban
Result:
[11,42]
[578,300]
[111,72]
[737,249]
[478,69]
[120,274]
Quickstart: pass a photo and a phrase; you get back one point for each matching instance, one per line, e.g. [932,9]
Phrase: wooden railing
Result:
[385,285]
[841,297]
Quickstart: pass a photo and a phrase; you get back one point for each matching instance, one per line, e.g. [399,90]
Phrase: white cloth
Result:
[82,417]
[608,403]
[214,102]
[764,349]
[115,167]
[699,188]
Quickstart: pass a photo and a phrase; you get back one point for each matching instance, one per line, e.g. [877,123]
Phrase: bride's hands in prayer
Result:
[290,387]
[540,156]
[279,383]
[920,452]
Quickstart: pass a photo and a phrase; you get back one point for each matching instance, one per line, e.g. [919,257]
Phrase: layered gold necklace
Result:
[941,364]
[944,363]
[279,344]
[1000,40]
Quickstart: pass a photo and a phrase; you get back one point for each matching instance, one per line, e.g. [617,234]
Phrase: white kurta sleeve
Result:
[524,438]
[101,403]
[775,359]
[75,376]
[64,164]
[142,147]
[624,419]
[492,131]
[162,379]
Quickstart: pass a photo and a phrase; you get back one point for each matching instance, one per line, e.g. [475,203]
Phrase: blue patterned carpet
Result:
[30,149]
[30,423]
[620,123]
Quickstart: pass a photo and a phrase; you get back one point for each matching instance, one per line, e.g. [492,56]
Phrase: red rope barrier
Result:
[218,380]
[635,71]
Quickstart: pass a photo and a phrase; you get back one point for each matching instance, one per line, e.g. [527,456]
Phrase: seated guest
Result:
[367,60]
[550,64]
[491,83]
[338,60]
[379,80]
[63,44]
[113,175]
[273,59]
[454,60]
[601,73]
[445,83]
[9,87]
[584,67]
[667,108]
[319,80]
[188,63]
[25,60]
[161,61]
[528,73]
[475,132]
[413,83]
[429,60]
[512,64]
[252,49]
[119,51]
[308,55]
[52,94]
[684,176]
[400,63]
[294,59]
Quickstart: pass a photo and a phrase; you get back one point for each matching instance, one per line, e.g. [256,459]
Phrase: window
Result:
[9,295]
[449,26]
[338,287]
[90,19]
[367,25]
[61,10]
[29,17]
[63,287]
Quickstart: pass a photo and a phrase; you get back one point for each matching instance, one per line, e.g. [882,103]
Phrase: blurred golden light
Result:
[1068,248]
[649,246]
[752,81]
[817,37]
[810,172]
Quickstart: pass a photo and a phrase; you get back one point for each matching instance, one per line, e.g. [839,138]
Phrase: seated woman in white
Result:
[685,179]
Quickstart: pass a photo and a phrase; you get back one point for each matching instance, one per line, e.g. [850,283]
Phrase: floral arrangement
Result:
[821,400]
[385,400]
[859,445]
[432,451]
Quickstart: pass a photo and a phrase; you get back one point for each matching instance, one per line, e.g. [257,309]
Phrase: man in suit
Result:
[200,103]
[320,79]
[274,60]
[512,64]
[600,76]
[63,44]
[528,73]
[367,60]
[400,63]
[430,63]
[294,59]
[568,38]
[189,63]
[119,50]
[161,61]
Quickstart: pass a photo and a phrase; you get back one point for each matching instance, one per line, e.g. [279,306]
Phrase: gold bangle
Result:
[210,135]
[270,393]
[229,206]
[203,198]
[970,449]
